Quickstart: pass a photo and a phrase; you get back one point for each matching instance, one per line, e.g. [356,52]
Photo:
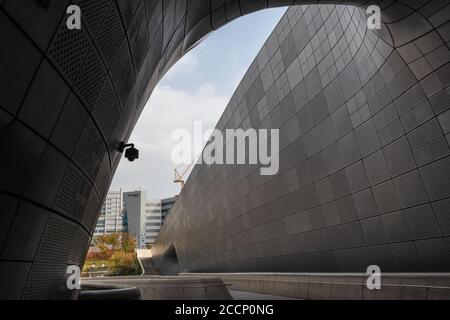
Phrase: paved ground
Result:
[246,295]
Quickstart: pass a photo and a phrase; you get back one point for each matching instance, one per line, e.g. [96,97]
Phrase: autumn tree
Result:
[128,242]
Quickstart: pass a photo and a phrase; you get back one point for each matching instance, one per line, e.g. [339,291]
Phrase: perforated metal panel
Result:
[73,193]
[89,151]
[68,50]
[137,33]
[93,12]
[103,179]
[106,110]
[90,79]
[154,17]
[127,10]
[93,205]
[64,243]
[144,77]
[122,72]
[110,35]
[156,50]
[150,6]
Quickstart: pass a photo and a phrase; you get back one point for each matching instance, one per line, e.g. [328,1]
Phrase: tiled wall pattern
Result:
[67,98]
[364,174]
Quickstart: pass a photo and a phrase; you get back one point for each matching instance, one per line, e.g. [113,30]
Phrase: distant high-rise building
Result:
[132,212]
[153,220]
[111,217]
[166,205]
[155,213]
[134,209]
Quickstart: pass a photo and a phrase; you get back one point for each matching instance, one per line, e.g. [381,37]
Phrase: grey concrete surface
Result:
[276,286]
[95,292]
[338,286]
[167,288]
[246,295]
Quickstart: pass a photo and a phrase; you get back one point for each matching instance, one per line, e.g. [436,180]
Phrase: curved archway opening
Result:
[196,89]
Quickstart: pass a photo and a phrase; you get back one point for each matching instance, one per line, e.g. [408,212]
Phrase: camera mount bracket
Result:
[123,146]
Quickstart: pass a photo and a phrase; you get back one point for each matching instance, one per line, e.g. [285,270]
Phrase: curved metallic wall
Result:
[364,164]
[67,98]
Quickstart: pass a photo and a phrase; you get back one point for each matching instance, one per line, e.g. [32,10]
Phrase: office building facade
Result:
[112,218]
[166,205]
[144,216]
[134,207]
[153,220]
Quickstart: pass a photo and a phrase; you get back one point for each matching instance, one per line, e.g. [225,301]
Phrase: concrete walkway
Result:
[247,295]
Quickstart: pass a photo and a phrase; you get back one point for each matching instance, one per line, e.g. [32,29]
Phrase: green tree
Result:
[117,251]
[128,242]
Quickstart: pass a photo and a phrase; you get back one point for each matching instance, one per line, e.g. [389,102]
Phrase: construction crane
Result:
[179,176]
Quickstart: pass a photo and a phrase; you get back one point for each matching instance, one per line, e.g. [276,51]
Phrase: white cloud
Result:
[186,66]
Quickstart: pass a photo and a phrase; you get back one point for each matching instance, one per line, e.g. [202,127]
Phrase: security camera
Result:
[131,153]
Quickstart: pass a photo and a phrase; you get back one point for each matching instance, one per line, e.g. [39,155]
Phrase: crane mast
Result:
[179,176]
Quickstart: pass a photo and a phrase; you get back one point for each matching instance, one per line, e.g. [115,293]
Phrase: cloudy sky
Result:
[197,88]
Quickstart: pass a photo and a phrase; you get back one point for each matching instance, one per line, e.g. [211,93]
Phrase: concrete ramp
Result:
[146,262]
[165,287]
